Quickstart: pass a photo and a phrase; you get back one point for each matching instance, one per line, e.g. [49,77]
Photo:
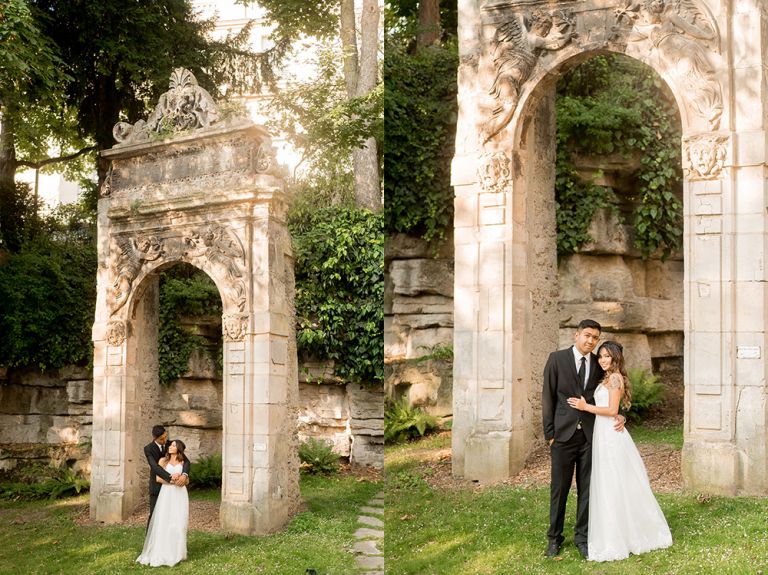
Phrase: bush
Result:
[206,471]
[48,297]
[420,111]
[403,422]
[340,290]
[60,483]
[317,456]
[646,392]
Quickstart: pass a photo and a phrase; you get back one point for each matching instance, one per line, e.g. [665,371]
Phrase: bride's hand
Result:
[578,403]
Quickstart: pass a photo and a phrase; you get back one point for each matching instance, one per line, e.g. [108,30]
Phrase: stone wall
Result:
[418,321]
[47,418]
[638,302]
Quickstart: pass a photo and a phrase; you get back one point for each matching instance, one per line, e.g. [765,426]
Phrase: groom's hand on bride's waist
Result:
[620,420]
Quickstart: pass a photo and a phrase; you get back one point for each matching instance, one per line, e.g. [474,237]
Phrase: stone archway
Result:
[711,55]
[208,194]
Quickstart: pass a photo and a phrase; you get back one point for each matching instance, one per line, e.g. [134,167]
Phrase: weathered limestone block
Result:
[404,246]
[608,235]
[666,344]
[422,277]
[366,409]
[324,413]
[664,280]
[368,450]
[425,304]
[80,391]
[28,399]
[427,384]
[199,442]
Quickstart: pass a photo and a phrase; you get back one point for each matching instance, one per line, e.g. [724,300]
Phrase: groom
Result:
[155,451]
[571,372]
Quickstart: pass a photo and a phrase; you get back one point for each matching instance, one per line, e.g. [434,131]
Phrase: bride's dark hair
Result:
[616,353]
[180,447]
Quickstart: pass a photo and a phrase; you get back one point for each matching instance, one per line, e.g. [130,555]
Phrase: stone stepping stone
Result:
[372,521]
[376,502]
[365,532]
[370,562]
[374,510]
[367,547]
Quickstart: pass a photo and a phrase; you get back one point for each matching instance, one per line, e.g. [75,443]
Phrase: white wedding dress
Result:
[166,541]
[624,516]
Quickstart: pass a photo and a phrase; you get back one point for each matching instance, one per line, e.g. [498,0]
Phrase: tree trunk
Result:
[8,162]
[429,23]
[361,77]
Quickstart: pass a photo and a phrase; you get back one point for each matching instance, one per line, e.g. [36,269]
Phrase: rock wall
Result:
[638,302]
[47,417]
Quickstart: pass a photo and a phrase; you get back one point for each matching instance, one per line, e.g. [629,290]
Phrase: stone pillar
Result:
[726,413]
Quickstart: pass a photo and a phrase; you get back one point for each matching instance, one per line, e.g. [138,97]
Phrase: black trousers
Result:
[575,453]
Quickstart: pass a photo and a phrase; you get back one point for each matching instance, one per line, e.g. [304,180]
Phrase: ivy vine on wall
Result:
[614,105]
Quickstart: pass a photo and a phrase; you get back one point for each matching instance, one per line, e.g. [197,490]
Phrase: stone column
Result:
[726,411]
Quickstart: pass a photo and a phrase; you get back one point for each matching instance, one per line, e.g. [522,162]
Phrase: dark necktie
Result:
[583,373]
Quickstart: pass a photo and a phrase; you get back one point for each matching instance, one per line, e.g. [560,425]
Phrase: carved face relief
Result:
[234,327]
[706,157]
[495,172]
[116,333]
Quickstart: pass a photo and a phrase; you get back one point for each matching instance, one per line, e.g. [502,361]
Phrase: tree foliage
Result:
[420,125]
[339,255]
[48,294]
[615,105]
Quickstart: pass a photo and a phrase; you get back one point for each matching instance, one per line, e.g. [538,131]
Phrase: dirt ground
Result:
[204,515]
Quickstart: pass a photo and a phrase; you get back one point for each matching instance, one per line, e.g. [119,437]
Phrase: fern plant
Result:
[318,456]
[403,422]
[206,471]
[646,393]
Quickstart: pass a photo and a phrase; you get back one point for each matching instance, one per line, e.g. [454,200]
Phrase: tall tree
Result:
[429,23]
[360,45]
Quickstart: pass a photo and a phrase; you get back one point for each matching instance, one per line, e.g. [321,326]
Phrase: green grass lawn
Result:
[502,529]
[42,537]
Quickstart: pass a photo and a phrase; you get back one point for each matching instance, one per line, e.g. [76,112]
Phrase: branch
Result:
[45,162]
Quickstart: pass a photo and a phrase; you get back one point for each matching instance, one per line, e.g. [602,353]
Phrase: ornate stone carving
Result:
[222,248]
[116,333]
[680,38]
[264,159]
[185,106]
[495,172]
[705,157]
[234,327]
[133,253]
[515,50]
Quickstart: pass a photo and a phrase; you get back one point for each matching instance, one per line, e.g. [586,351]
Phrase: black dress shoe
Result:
[582,547]
[553,550]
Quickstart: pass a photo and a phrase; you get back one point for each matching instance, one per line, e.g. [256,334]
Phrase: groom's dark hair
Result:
[589,323]
[157,431]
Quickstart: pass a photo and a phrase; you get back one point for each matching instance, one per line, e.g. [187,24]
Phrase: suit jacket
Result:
[561,381]
[153,454]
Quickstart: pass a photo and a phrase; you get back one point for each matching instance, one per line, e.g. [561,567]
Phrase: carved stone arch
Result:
[187,186]
[504,324]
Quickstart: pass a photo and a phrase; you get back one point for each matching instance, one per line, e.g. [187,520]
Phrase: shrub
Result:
[59,483]
[646,392]
[403,422]
[317,456]
[340,290]
[206,471]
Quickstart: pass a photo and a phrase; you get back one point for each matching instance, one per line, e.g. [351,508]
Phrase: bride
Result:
[166,541]
[624,516]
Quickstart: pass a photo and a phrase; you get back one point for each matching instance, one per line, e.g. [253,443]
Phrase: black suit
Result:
[572,432]
[153,453]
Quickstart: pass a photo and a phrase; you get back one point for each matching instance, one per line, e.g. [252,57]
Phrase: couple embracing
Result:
[617,513]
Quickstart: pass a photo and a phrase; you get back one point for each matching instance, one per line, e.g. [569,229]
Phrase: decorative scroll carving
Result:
[185,106]
[133,253]
[705,157]
[515,50]
[264,159]
[234,327]
[681,37]
[116,333]
[495,172]
[222,248]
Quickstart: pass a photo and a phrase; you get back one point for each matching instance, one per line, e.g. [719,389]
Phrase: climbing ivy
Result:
[339,253]
[614,105]
[184,291]
[420,111]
